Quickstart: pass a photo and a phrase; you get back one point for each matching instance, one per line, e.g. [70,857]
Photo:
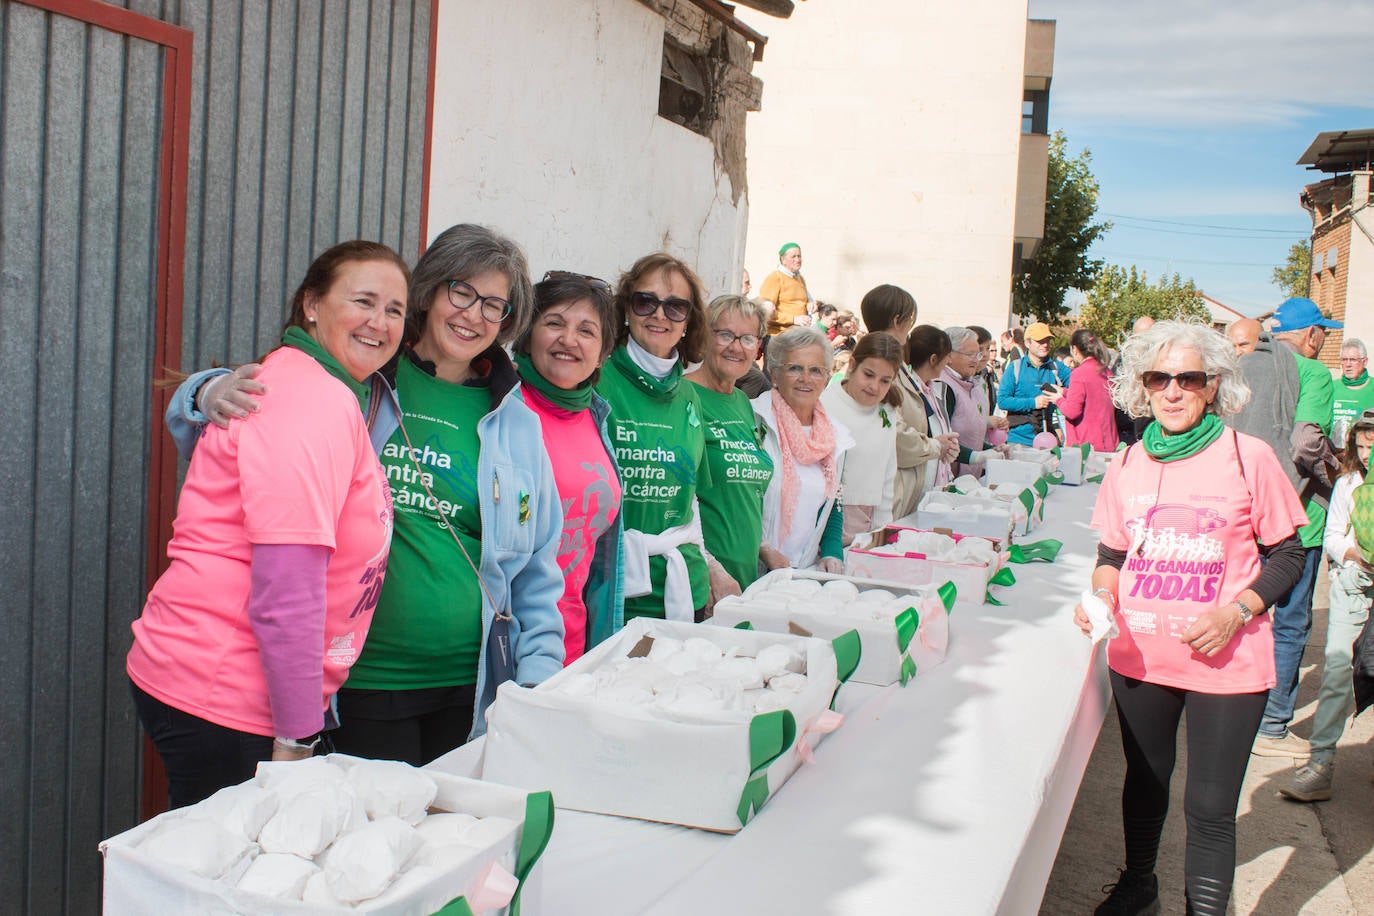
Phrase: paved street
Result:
[1312,859]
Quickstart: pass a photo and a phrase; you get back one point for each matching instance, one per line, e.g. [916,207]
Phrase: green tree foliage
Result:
[1061,263]
[1120,296]
[1295,276]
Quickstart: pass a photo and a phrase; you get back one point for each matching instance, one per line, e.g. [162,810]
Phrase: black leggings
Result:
[415,726]
[1221,728]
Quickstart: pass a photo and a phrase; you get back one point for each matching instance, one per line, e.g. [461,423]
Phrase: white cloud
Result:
[1208,62]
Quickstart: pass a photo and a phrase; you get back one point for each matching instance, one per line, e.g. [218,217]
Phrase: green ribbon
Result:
[907,622]
[947,592]
[1045,550]
[908,670]
[988,599]
[1056,478]
[1096,478]
[1164,447]
[1003,576]
[1028,500]
[744,625]
[848,650]
[458,906]
[1042,489]
[770,734]
[534,839]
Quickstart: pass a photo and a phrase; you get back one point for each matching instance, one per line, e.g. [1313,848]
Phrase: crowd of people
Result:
[449,478]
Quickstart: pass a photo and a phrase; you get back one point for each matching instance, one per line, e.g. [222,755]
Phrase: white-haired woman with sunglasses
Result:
[732,504]
[477,515]
[1198,536]
[659,437]
[803,517]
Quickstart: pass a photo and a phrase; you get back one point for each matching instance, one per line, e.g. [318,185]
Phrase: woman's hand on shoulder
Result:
[231,397]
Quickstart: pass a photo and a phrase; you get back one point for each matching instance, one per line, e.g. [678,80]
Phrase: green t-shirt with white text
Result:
[732,506]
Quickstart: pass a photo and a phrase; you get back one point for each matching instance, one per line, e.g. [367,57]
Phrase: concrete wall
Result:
[546,128]
[888,148]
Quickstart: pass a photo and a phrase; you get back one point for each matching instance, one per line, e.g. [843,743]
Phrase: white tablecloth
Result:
[948,796]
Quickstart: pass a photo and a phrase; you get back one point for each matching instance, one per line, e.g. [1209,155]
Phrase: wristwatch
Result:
[1246,615]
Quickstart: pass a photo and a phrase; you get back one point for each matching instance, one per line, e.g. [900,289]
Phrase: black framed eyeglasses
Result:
[725,338]
[1188,381]
[462,296]
[593,282]
[675,309]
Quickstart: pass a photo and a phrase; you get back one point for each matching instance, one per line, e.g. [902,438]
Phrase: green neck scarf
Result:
[571,400]
[299,339]
[1163,447]
[658,389]
[1356,382]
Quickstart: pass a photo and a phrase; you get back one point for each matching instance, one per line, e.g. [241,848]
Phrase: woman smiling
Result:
[864,403]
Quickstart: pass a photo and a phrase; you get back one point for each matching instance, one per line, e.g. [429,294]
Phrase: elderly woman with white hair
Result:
[1198,536]
[803,518]
[965,400]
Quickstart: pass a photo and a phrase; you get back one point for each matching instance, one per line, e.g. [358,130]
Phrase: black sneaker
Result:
[1131,895]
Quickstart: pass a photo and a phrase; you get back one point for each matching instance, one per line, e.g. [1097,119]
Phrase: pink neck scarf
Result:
[798,446]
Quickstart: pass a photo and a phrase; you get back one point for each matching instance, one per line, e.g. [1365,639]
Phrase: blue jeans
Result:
[1291,621]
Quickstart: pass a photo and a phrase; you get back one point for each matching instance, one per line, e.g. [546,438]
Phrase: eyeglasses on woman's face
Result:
[645,303]
[1188,381]
[797,371]
[462,296]
[750,342]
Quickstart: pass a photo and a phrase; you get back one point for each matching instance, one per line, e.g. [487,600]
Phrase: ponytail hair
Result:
[1088,344]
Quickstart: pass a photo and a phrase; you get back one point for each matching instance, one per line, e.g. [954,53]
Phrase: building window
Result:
[1035,111]
[684,88]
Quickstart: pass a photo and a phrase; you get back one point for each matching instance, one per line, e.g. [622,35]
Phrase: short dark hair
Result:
[926,341]
[984,335]
[884,307]
[1086,342]
[560,288]
[692,347]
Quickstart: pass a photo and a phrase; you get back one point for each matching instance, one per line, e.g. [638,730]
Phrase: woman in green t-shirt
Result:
[659,437]
[732,506]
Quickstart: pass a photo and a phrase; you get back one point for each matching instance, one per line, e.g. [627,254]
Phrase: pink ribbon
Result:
[824,723]
[493,890]
[930,607]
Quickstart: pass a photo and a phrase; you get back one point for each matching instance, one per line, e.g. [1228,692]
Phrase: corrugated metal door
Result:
[305,124]
[85,261]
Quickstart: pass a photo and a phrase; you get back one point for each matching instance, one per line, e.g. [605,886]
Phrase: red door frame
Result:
[171,256]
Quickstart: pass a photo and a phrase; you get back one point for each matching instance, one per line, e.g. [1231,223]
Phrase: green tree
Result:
[1120,296]
[1061,263]
[1295,276]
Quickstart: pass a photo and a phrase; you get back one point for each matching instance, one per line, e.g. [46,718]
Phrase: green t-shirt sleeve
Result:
[1316,394]
[832,538]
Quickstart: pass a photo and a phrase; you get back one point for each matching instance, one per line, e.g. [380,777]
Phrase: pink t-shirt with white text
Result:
[300,471]
[590,494]
[1188,528]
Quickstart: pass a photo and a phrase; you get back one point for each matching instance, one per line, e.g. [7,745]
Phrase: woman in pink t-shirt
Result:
[1186,517]
[1086,406]
[559,359]
[280,542]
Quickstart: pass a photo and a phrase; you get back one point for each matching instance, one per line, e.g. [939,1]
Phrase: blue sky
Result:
[1195,112]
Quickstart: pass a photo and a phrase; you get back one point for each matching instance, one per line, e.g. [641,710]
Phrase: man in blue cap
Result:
[1299,331]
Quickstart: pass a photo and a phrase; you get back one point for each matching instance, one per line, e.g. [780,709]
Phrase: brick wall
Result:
[1330,275]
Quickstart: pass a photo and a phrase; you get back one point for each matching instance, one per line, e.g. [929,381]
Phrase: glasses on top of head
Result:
[797,371]
[462,296]
[725,338]
[593,282]
[1188,381]
[645,303]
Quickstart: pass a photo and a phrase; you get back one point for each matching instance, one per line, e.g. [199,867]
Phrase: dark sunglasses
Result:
[1188,381]
[644,304]
[593,282]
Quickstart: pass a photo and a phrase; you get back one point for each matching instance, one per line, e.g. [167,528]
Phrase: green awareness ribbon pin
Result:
[882,413]
[770,734]
[524,507]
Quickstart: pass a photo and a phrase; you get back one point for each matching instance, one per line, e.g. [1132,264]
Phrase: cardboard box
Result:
[712,771]
[136,883]
[1011,472]
[984,517]
[893,652]
[915,569]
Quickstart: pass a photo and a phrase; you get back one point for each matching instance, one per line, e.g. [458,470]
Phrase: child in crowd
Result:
[863,403]
[1352,591]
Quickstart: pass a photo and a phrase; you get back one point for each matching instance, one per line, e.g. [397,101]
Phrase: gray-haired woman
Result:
[731,504]
[803,518]
[1186,516]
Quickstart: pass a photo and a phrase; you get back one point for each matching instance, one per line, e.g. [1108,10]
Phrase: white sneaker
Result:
[1312,783]
[1290,745]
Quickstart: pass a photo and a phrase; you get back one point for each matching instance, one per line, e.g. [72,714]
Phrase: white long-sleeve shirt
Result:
[871,468]
[1338,537]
